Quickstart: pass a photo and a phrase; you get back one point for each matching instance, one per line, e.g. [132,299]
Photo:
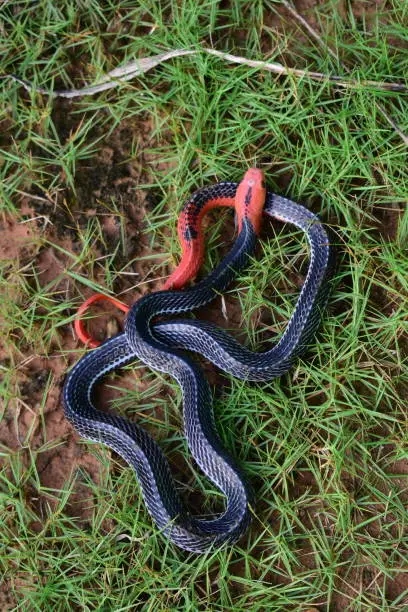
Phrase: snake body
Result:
[159,345]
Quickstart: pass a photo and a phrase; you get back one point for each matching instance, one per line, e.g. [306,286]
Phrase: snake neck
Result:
[173,302]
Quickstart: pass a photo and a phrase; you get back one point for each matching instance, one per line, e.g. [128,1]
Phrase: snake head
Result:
[250,198]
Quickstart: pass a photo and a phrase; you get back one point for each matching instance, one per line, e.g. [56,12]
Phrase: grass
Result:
[325,446]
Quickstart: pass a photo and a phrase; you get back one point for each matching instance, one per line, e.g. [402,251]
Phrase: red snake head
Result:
[248,203]
[250,198]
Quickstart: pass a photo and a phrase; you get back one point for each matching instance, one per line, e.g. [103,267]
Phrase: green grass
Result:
[325,445]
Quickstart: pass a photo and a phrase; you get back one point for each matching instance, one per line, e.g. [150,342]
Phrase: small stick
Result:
[138,67]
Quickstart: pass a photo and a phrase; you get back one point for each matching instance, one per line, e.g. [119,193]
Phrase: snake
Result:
[162,345]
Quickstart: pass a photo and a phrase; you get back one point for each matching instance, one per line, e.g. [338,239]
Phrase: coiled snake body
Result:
[159,344]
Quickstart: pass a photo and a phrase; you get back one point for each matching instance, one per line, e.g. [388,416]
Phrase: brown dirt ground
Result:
[39,423]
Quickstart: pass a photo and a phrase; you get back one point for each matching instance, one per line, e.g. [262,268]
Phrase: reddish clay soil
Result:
[36,418]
